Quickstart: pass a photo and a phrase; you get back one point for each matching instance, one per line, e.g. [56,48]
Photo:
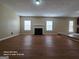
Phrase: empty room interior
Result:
[39,29]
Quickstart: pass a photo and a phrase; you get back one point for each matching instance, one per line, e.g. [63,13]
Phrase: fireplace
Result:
[38,31]
[78,25]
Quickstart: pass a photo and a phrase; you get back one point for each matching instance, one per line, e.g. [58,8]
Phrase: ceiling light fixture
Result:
[37,2]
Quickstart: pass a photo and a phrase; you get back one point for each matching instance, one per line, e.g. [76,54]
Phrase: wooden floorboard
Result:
[41,47]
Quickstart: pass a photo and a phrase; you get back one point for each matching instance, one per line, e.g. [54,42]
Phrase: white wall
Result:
[61,24]
[9,22]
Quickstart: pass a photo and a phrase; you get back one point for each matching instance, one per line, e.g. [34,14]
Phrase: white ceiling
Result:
[55,8]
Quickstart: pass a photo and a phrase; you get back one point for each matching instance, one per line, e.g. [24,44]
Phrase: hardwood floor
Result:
[41,47]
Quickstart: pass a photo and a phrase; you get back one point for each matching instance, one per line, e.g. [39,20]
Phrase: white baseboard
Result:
[8,37]
[43,33]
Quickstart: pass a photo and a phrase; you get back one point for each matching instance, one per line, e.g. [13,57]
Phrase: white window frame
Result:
[27,27]
[50,25]
[71,26]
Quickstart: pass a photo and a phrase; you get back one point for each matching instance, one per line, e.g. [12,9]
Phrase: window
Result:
[27,25]
[71,23]
[49,25]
